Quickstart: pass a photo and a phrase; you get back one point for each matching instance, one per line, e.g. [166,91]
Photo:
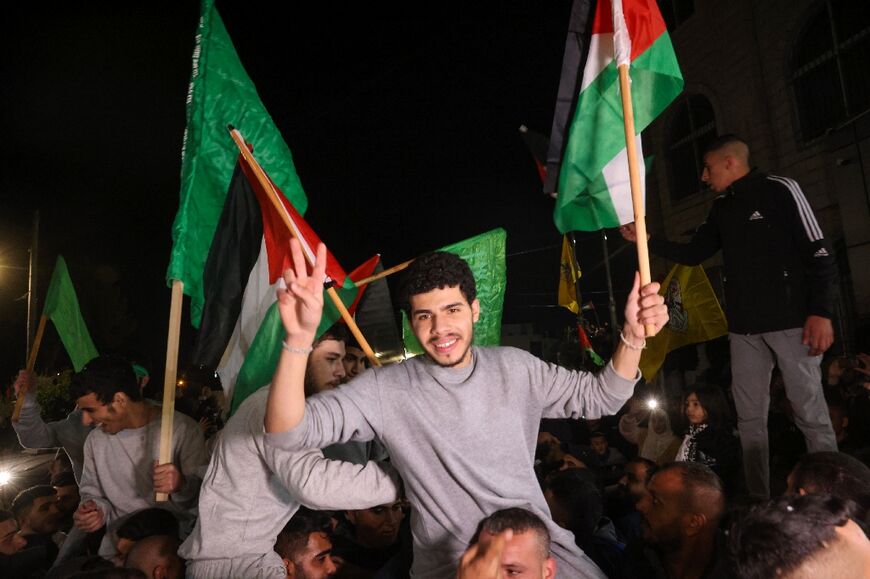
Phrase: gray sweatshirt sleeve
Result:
[323,484]
[575,394]
[32,431]
[350,412]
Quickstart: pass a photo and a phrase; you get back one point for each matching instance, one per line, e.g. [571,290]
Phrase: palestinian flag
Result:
[220,94]
[586,344]
[249,253]
[593,183]
[537,144]
[251,358]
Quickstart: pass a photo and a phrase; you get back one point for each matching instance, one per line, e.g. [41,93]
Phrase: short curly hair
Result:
[437,270]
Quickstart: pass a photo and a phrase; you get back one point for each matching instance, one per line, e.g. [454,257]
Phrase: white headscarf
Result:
[655,444]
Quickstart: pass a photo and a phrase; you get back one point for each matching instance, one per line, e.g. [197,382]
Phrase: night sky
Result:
[404,131]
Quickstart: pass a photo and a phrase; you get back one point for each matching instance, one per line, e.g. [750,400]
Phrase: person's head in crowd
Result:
[599,444]
[325,369]
[576,503]
[157,557]
[726,159]
[106,391]
[638,471]
[355,361]
[67,492]
[142,524]
[839,413]
[683,504]
[439,296]
[835,474]
[377,527]
[11,540]
[60,463]
[800,537]
[36,510]
[305,546]
[527,553]
[706,405]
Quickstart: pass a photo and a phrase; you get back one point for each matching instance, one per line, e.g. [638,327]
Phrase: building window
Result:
[693,126]
[675,12]
[829,66]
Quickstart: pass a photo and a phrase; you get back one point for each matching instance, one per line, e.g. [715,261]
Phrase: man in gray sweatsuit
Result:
[460,423]
[250,490]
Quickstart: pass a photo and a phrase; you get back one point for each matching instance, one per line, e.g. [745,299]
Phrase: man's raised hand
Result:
[644,307]
[301,303]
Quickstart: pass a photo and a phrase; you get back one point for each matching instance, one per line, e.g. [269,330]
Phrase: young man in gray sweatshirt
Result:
[121,472]
[250,490]
[461,422]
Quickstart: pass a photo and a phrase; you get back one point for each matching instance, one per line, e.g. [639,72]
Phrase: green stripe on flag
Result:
[597,134]
[485,255]
[262,358]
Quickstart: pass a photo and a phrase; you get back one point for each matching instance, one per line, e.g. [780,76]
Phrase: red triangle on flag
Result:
[278,236]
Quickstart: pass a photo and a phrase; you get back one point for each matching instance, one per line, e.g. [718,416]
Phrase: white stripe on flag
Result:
[600,56]
[811,226]
[618,182]
[621,38]
[258,297]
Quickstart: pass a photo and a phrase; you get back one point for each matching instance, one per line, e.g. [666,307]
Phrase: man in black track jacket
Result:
[780,283]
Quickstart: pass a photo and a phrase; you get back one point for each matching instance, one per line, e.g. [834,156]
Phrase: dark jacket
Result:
[779,268]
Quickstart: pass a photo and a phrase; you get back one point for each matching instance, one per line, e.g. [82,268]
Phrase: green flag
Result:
[220,94]
[62,308]
[485,254]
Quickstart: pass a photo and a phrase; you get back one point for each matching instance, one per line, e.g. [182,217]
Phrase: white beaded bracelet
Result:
[291,349]
[631,346]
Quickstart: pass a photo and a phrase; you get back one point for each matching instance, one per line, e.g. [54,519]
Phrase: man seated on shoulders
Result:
[460,423]
[121,472]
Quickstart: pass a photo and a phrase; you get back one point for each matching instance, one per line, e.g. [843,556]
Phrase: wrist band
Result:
[631,346]
[292,350]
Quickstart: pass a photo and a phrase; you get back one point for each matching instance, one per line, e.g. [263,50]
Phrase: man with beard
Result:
[305,546]
[460,423]
[681,509]
[622,500]
[38,517]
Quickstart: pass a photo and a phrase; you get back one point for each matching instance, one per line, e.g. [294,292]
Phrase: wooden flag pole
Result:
[383,274]
[273,197]
[31,364]
[169,379]
[634,176]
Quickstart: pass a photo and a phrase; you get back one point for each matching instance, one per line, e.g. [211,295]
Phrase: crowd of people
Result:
[467,462]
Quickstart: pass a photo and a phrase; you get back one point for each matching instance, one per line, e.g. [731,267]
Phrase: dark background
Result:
[403,127]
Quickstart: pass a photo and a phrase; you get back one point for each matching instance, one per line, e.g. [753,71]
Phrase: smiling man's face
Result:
[108,417]
[443,322]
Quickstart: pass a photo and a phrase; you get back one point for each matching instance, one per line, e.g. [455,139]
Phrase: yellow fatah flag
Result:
[568,276]
[695,316]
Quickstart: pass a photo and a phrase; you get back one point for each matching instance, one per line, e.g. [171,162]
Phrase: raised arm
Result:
[301,306]
[644,306]
[32,431]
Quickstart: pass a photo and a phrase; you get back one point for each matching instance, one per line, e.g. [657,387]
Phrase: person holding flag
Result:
[460,422]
